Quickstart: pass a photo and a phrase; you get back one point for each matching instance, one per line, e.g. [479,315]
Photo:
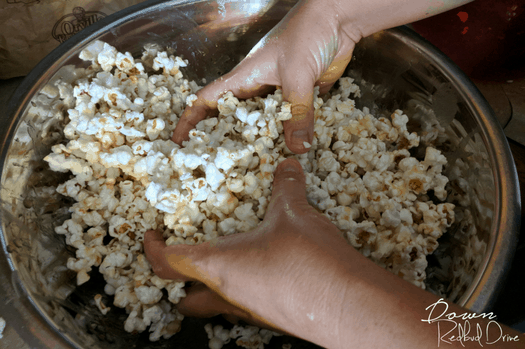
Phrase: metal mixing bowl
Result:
[395,69]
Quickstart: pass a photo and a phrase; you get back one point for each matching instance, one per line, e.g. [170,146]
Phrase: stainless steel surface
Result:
[395,68]
[408,74]
[515,92]
[507,98]
[495,94]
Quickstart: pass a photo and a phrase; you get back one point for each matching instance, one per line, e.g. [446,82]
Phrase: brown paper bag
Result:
[30,29]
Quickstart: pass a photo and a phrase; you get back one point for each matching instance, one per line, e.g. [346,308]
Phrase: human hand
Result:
[261,276]
[308,48]
[295,274]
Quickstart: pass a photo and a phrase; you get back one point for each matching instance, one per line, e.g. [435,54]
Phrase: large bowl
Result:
[395,69]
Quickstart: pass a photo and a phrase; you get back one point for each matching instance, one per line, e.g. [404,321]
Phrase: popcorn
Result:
[98,301]
[217,335]
[175,291]
[251,337]
[169,64]
[190,99]
[215,343]
[148,294]
[129,177]
[61,163]
[124,295]
[154,127]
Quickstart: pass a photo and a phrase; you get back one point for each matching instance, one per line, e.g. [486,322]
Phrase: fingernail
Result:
[300,135]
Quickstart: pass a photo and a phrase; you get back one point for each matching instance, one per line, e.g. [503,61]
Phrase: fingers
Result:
[191,116]
[298,89]
[333,73]
[203,107]
[289,178]
[154,247]
[245,81]
[324,87]
[289,186]
[202,302]
[178,262]
[299,130]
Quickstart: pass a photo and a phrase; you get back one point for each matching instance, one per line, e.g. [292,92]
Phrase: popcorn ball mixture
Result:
[129,177]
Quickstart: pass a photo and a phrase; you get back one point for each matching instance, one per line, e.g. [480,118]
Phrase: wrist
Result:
[318,315]
[337,12]
[366,17]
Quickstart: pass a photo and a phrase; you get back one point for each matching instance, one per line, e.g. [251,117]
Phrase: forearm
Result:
[365,17]
[380,310]
[328,293]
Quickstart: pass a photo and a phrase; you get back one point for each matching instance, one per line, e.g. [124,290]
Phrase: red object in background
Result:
[485,38]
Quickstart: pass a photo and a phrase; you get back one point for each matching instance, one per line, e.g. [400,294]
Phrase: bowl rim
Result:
[483,291]
[480,295]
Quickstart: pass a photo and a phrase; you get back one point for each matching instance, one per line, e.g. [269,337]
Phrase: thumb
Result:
[200,301]
[298,88]
[289,187]
[179,262]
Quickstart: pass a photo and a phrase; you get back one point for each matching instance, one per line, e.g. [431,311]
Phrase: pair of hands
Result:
[309,47]
[295,273]
[262,274]
[255,276]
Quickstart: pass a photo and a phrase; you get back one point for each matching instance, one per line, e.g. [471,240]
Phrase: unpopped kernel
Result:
[129,177]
